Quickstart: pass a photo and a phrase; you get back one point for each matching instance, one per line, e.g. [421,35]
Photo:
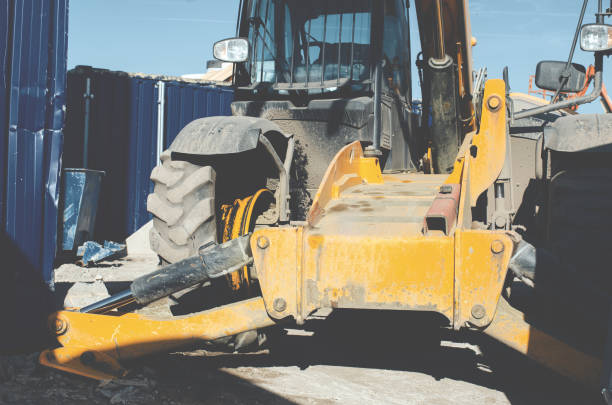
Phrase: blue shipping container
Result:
[124,121]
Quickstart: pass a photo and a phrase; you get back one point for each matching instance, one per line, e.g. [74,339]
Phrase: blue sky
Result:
[175,37]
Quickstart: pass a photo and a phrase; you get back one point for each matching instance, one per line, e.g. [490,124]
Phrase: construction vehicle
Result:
[491,215]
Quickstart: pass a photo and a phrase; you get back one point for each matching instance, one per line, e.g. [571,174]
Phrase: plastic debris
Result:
[93,252]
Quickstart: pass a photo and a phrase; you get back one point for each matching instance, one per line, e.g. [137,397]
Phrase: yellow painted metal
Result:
[364,248]
[237,220]
[481,264]
[511,328]
[348,168]
[95,345]
[489,144]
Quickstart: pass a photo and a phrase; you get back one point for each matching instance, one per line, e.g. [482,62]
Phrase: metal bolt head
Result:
[478,311]
[59,326]
[500,222]
[88,358]
[263,242]
[497,246]
[280,305]
[494,102]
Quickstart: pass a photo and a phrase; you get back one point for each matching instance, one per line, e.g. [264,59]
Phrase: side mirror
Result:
[549,76]
[234,50]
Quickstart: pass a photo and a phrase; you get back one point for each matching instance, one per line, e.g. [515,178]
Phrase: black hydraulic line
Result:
[239,18]
[565,75]
[212,262]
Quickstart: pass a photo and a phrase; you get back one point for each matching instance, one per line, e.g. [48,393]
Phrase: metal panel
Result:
[123,135]
[142,152]
[187,101]
[32,115]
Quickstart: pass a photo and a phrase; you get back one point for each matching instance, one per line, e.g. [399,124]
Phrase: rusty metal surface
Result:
[442,214]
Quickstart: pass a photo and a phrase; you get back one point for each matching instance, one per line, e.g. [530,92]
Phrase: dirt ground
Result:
[338,361]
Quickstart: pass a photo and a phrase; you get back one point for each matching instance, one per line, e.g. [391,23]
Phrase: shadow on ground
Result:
[384,341]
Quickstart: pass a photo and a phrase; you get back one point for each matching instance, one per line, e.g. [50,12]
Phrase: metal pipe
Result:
[118,300]
[88,96]
[283,186]
[568,103]
[565,74]
[289,154]
[161,86]
[441,51]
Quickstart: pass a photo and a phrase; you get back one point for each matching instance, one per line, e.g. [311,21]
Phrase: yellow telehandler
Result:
[329,187]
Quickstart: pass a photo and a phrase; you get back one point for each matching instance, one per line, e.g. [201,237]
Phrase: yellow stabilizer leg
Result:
[95,345]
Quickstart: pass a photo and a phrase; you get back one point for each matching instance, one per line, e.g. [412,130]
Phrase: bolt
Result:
[88,358]
[478,311]
[263,242]
[494,102]
[497,246]
[280,305]
[446,189]
[60,326]
[500,222]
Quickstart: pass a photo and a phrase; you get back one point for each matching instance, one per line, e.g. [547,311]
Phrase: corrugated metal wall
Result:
[123,135]
[32,99]
[187,101]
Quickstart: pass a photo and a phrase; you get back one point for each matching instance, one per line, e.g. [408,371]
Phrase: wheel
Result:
[184,219]
[183,208]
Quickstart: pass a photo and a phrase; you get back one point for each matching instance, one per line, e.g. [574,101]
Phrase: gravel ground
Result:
[334,362]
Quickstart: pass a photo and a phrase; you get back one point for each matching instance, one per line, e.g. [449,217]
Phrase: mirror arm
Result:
[574,101]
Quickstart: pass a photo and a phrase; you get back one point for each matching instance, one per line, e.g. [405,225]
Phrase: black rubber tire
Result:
[183,208]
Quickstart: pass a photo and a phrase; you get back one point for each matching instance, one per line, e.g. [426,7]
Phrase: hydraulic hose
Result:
[212,262]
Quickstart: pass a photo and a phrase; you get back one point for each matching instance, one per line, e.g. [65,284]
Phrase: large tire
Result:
[183,208]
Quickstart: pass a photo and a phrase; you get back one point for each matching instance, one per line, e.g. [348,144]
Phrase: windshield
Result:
[313,44]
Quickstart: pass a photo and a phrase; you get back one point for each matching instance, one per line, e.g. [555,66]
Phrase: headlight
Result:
[232,50]
[596,37]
